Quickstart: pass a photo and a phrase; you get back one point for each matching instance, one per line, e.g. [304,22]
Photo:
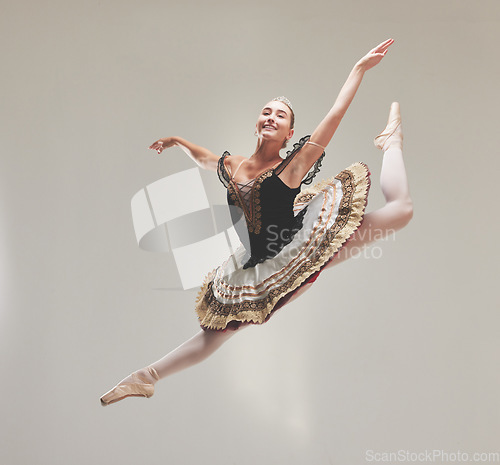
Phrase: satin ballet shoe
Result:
[392,132]
[137,386]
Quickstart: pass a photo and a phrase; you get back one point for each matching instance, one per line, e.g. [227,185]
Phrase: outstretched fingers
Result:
[382,48]
[158,146]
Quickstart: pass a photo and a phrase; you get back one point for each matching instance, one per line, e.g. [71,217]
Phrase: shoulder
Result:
[297,146]
[231,161]
[299,160]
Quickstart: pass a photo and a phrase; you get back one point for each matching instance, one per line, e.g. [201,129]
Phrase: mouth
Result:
[268,126]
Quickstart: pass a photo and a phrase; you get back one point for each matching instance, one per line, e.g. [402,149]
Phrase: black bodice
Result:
[270,220]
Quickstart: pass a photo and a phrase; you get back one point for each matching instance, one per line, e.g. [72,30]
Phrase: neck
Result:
[266,152]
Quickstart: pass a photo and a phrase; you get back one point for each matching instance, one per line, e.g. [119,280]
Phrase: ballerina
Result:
[293,235]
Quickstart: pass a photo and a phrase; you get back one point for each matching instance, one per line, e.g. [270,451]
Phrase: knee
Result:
[405,212]
[400,214]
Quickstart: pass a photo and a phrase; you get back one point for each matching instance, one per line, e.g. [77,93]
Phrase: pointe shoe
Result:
[137,386]
[392,132]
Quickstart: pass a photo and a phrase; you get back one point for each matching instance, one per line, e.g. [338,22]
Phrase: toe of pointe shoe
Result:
[393,123]
[121,391]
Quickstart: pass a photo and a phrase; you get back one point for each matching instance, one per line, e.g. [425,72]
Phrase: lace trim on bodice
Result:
[222,172]
[290,155]
[247,196]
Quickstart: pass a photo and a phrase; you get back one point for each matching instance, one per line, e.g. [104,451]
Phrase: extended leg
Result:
[191,352]
[141,383]
[398,210]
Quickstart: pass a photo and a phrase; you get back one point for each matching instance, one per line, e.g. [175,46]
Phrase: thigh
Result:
[218,337]
[376,225]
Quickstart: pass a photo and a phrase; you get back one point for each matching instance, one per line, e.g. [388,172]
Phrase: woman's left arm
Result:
[326,129]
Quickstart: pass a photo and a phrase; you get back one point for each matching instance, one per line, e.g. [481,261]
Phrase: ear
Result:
[290,134]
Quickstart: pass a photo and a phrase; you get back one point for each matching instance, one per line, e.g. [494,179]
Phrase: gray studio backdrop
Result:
[395,351]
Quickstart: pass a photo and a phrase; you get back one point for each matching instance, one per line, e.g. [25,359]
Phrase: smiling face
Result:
[275,122]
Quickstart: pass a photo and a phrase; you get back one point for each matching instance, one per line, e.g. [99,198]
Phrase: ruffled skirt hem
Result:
[231,296]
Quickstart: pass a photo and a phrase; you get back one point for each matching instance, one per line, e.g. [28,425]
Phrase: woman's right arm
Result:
[203,157]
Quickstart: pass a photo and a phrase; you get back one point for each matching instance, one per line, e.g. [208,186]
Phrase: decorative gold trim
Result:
[252,216]
[355,181]
[313,237]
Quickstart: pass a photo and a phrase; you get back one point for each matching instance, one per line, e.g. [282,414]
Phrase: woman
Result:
[293,236]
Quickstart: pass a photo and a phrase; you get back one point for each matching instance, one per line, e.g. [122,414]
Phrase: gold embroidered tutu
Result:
[231,296]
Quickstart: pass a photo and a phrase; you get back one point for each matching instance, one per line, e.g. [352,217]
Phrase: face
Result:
[274,122]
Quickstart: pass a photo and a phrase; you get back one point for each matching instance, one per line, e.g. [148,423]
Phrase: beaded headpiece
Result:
[284,100]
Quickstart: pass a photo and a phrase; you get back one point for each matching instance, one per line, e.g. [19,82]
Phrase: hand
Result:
[374,56]
[161,144]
